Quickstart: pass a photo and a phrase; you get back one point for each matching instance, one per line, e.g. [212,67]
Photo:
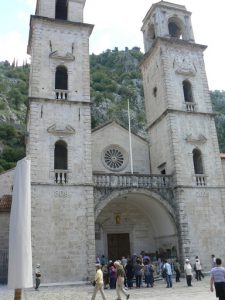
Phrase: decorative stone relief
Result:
[184,66]
[114,158]
[67,130]
[57,55]
[201,139]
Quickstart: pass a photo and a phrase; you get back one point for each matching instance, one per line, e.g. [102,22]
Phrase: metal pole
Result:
[130,142]
[18,294]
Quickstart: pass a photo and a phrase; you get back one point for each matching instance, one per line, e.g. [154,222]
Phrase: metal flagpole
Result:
[130,141]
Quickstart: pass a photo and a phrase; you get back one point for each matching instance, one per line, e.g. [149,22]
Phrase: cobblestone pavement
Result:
[199,291]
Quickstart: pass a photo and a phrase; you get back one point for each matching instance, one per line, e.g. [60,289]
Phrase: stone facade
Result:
[85,199]
[102,140]
[181,124]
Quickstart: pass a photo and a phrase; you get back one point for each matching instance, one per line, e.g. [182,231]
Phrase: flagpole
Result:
[130,141]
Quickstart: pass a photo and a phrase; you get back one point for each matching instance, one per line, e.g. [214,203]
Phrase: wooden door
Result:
[118,245]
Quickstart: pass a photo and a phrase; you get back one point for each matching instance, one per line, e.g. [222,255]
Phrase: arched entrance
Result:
[133,221]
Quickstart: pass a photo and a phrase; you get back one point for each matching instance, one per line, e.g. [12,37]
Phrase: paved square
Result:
[199,291]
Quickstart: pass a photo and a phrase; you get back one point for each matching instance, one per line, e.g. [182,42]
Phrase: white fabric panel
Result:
[20,252]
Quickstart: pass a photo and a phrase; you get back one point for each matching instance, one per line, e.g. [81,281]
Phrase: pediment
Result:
[61,131]
[57,55]
[201,139]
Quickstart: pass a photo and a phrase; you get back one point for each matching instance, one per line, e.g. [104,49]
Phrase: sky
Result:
[117,24]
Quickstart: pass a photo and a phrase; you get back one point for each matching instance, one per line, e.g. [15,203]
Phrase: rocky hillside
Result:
[115,78]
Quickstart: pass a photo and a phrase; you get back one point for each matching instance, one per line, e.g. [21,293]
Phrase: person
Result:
[188,271]
[120,281]
[177,270]
[197,268]
[37,277]
[98,283]
[138,271]
[213,261]
[218,279]
[148,273]
[129,269]
[112,275]
[105,272]
[103,260]
[168,269]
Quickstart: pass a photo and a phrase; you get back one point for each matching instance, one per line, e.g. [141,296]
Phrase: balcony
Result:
[132,180]
[61,94]
[61,176]
[190,106]
[200,179]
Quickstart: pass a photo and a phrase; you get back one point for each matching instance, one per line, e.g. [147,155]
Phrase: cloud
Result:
[13,46]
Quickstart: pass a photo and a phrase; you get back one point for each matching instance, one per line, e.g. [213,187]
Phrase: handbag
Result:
[93,283]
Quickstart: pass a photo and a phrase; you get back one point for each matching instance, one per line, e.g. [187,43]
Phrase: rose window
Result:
[114,158]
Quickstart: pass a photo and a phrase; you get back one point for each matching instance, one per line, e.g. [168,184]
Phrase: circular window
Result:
[114,158]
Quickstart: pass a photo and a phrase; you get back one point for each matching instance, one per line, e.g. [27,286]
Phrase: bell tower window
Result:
[197,160]
[60,157]
[198,168]
[60,162]
[61,78]
[61,83]
[187,91]
[61,9]
[174,29]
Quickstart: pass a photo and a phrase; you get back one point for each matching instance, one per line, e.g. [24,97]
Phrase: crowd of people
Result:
[140,271]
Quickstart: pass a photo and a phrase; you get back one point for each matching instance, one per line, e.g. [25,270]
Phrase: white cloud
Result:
[13,46]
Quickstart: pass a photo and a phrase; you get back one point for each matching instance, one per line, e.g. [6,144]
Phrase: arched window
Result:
[197,160]
[61,78]
[187,89]
[61,9]
[174,28]
[60,156]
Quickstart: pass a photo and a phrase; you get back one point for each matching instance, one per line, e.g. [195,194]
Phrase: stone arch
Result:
[120,193]
[176,27]
[198,161]
[142,215]
[187,90]
[61,155]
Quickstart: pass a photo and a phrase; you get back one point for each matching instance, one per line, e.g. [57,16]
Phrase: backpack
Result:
[164,273]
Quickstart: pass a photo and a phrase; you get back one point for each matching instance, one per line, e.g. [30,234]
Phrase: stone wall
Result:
[6,182]
[115,135]
[63,232]
[4,232]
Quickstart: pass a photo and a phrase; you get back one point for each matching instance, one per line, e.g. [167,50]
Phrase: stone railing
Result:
[61,94]
[200,179]
[190,106]
[61,176]
[132,180]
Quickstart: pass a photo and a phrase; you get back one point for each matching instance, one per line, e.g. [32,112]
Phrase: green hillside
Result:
[115,78]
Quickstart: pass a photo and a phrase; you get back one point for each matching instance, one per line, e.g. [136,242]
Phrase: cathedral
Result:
[90,194]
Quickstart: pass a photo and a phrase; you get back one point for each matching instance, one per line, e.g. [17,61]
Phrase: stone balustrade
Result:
[61,176]
[61,94]
[132,180]
[200,179]
[190,106]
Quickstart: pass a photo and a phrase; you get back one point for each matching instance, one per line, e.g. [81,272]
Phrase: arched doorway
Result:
[132,222]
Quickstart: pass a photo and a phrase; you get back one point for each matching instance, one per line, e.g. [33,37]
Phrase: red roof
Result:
[5,203]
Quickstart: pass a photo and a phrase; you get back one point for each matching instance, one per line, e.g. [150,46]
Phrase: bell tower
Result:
[59,141]
[181,127]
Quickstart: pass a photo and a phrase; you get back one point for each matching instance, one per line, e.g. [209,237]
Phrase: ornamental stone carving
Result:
[201,139]
[184,66]
[57,55]
[57,131]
